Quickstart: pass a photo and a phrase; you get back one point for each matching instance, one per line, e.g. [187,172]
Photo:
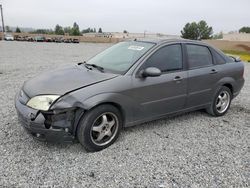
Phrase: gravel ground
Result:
[190,150]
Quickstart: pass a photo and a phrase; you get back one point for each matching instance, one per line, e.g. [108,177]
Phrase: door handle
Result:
[213,71]
[177,78]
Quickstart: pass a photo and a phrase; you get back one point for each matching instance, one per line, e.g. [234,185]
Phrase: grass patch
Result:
[244,56]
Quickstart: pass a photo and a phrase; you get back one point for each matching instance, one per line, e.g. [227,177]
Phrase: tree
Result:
[43,31]
[7,29]
[75,30]
[89,30]
[100,30]
[59,30]
[245,30]
[197,31]
[125,31]
[67,30]
[18,30]
[218,35]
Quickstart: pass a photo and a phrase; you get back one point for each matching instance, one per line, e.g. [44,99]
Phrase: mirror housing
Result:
[150,72]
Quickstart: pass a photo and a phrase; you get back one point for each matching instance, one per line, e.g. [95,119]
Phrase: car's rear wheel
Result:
[99,127]
[221,102]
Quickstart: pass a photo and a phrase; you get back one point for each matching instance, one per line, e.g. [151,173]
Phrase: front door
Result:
[166,93]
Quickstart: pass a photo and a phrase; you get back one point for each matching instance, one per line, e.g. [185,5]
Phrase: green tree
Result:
[67,30]
[197,31]
[88,30]
[100,30]
[245,30]
[218,35]
[18,30]
[59,30]
[75,31]
[7,29]
[43,31]
[125,31]
[94,30]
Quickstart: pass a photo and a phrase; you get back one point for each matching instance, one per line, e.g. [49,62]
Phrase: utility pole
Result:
[1,9]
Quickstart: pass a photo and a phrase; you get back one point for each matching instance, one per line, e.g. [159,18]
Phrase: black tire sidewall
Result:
[215,111]
[85,125]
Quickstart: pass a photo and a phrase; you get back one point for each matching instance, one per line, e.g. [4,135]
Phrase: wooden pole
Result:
[2,18]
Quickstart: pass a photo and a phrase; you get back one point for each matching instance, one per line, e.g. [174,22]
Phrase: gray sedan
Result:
[127,84]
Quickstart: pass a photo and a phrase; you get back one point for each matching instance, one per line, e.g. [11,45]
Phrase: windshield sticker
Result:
[139,48]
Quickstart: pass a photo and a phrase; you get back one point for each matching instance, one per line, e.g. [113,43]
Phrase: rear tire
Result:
[221,102]
[99,127]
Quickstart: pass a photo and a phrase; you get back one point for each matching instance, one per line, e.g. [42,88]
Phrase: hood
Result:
[61,81]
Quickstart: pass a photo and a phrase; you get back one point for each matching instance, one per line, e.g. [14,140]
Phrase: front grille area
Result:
[22,97]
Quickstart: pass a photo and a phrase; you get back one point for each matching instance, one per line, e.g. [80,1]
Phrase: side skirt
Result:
[129,124]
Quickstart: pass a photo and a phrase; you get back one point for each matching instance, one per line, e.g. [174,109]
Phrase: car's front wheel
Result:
[99,127]
[221,102]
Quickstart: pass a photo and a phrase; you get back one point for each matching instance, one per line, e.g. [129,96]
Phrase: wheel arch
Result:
[227,82]
[80,113]
[230,86]
[117,105]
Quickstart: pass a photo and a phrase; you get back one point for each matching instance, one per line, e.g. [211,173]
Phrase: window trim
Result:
[158,48]
[187,60]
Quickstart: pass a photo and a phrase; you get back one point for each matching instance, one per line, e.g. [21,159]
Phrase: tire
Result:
[221,102]
[99,127]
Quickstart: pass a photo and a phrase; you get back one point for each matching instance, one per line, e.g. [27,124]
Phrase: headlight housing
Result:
[42,102]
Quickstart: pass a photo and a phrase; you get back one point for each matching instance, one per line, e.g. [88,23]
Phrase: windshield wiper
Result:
[87,66]
[101,69]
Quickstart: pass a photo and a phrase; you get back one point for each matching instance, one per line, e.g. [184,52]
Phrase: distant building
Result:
[237,37]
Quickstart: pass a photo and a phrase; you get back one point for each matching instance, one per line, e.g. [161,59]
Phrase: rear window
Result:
[218,58]
[198,56]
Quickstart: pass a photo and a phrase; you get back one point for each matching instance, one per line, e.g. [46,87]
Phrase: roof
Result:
[161,40]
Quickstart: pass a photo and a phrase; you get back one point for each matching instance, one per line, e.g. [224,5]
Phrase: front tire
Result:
[99,127]
[221,102]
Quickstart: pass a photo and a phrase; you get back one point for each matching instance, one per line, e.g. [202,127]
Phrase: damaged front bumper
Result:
[47,126]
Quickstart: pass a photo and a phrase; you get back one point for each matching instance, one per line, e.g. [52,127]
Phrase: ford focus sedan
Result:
[127,84]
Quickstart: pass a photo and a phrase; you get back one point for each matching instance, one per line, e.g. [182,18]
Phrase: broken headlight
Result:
[42,102]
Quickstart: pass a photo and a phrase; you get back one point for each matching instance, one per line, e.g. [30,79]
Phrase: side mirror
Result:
[150,72]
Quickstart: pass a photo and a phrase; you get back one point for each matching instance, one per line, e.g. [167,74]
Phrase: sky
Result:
[156,16]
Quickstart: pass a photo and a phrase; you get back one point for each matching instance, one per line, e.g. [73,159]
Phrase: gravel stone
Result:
[189,150]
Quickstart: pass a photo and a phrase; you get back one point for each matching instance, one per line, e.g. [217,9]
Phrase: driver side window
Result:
[168,58]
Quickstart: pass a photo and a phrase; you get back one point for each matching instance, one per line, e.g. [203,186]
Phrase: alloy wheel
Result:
[223,101]
[104,128]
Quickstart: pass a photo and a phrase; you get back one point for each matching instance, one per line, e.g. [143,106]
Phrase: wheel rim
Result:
[104,128]
[222,101]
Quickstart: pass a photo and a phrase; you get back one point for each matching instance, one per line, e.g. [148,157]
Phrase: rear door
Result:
[202,75]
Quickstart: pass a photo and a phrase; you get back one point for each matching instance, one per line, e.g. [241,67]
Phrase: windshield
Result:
[120,57]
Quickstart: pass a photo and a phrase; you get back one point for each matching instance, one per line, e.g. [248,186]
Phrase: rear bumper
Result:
[34,122]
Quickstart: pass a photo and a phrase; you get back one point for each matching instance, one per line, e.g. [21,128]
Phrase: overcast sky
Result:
[162,16]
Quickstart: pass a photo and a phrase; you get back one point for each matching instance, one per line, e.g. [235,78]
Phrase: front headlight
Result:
[42,102]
